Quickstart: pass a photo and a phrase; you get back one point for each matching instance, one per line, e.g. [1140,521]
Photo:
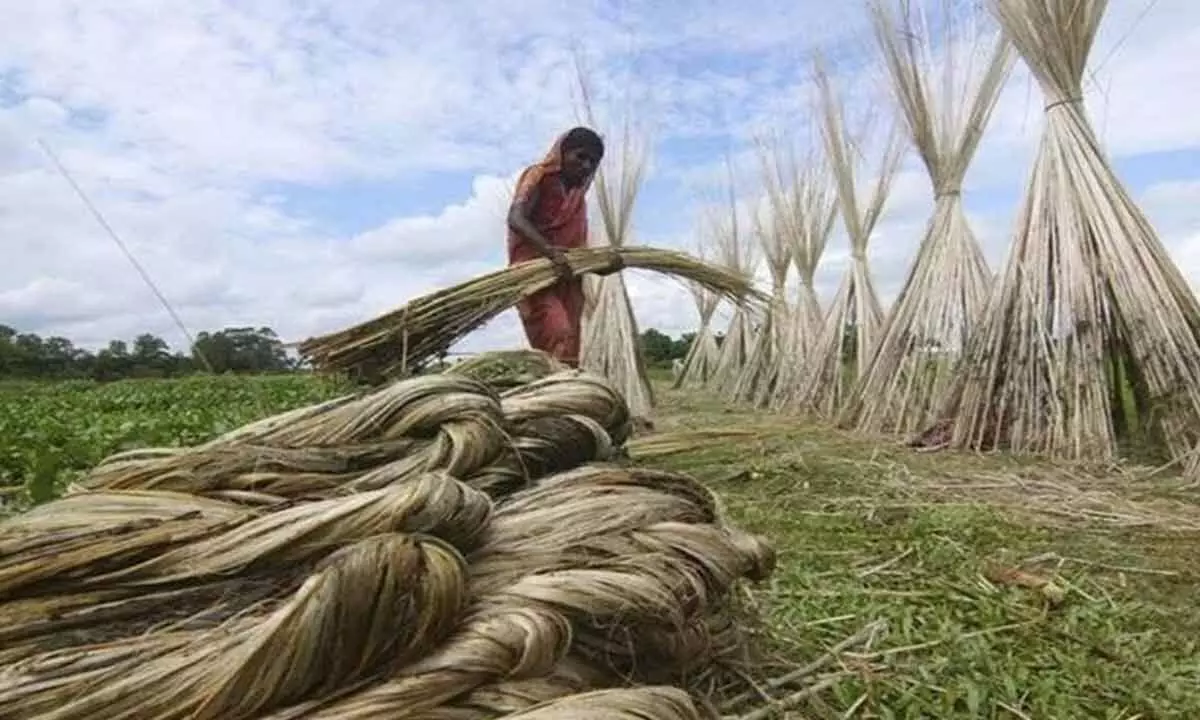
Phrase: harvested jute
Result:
[646,703]
[438,422]
[624,575]
[405,340]
[515,581]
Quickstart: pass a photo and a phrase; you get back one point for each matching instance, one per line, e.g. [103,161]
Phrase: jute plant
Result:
[852,322]
[701,360]
[946,102]
[405,340]
[611,344]
[1090,335]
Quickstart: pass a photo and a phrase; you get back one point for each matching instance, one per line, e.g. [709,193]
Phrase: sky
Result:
[309,164]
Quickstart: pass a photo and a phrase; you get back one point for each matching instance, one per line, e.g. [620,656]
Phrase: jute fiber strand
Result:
[587,565]
[425,598]
[736,254]
[805,207]
[758,377]
[1090,335]
[446,422]
[946,103]
[403,341]
[648,703]
[855,313]
[611,346]
[701,360]
[624,575]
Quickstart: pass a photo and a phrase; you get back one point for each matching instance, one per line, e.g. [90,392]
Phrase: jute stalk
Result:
[852,323]
[804,208]
[737,256]
[701,360]
[404,341]
[611,346]
[1090,334]
[759,375]
[946,106]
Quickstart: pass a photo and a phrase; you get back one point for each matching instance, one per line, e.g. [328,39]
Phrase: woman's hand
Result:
[561,264]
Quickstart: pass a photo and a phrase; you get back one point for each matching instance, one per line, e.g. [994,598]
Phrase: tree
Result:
[28,355]
[660,349]
[241,350]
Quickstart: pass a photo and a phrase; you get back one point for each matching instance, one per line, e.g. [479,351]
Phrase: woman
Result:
[548,216]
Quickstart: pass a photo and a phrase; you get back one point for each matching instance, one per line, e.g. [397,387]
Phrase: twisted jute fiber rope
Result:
[585,591]
[594,573]
[437,422]
[61,571]
[645,703]
[379,602]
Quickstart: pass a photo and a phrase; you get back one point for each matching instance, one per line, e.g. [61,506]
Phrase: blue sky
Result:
[309,164]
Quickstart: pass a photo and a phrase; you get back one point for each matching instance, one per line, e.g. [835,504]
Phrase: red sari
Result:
[553,318]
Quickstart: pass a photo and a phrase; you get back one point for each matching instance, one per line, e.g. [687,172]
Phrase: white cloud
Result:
[187,128]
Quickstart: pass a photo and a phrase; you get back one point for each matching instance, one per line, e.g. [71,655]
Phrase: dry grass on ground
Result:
[976,587]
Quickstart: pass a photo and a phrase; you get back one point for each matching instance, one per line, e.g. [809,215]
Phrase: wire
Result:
[1128,32]
[125,249]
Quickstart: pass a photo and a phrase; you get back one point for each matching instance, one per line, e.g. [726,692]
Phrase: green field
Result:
[49,431]
[1001,589]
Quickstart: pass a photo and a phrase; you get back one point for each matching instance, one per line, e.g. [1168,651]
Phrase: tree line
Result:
[235,349]
[247,350]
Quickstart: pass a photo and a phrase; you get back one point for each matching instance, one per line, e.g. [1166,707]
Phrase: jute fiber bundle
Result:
[405,340]
[701,360]
[805,207]
[600,578]
[648,703]
[758,376]
[1090,334]
[424,597]
[736,254]
[611,345]
[947,104]
[855,314]
[447,422]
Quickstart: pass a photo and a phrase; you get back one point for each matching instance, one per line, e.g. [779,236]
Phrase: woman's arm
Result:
[520,219]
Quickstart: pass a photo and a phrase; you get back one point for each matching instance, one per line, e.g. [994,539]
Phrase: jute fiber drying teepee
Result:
[701,359]
[737,256]
[611,338]
[947,103]
[853,320]
[1090,335]
[761,371]
[804,208]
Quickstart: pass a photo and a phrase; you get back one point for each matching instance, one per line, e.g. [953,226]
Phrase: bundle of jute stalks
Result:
[406,340]
[169,586]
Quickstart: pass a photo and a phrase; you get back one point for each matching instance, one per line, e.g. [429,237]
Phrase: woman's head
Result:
[582,149]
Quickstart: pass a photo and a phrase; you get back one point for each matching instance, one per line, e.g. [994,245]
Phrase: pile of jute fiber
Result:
[433,549]
[404,341]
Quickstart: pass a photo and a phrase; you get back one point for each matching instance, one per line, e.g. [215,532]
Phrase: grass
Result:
[951,553]
[928,544]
